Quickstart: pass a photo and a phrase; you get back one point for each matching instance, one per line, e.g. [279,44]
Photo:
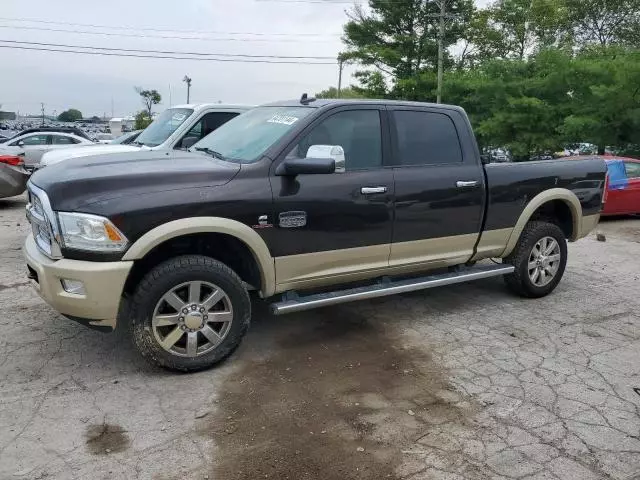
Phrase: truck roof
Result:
[221,106]
[324,102]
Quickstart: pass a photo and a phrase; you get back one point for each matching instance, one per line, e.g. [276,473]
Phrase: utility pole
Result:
[340,66]
[441,49]
[187,80]
[42,110]
[112,107]
[442,16]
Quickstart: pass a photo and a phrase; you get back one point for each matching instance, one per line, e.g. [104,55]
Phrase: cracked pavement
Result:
[466,382]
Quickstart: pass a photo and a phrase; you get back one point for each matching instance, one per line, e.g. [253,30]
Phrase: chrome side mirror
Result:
[334,152]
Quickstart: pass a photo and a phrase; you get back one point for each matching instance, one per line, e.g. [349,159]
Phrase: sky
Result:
[91,83]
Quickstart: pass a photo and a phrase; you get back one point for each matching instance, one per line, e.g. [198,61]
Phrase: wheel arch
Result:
[562,197]
[210,225]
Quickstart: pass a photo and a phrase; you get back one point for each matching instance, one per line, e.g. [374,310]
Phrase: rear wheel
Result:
[189,313]
[539,258]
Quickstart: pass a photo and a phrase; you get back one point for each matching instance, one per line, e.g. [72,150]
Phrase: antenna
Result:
[306,100]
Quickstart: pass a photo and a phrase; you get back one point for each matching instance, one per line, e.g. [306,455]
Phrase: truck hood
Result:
[55,156]
[78,182]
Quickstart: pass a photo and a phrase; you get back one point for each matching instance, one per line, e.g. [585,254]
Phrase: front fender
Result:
[187,226]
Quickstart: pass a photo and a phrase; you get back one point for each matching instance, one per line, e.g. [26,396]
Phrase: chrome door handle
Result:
[467,184]
[372,190]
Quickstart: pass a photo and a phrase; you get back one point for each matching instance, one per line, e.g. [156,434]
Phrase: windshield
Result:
[163,126]
[245,138]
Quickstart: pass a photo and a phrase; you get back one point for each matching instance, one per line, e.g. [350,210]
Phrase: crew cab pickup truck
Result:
[310,203]
[178,127]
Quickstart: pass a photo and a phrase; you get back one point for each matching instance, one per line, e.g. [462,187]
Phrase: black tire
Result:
[163,278]
[519,281]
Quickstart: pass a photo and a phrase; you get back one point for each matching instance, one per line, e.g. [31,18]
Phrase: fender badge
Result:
[263,222]
[292,219]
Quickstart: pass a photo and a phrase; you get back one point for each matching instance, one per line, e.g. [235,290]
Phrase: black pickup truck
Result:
[310,203]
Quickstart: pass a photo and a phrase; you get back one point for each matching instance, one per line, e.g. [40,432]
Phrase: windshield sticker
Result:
[283,119]
[178,117]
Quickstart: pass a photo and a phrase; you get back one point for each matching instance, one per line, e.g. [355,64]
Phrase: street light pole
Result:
[441,49]
[187,80]
[340,66]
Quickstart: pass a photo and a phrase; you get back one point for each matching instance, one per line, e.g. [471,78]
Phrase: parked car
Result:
[35,145]
[623,186]
[13,176]
[308,202]
[105,138]
[126,138]
[175,128]
[46,129]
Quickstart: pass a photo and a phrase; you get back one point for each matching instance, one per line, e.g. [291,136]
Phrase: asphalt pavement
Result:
[463,382]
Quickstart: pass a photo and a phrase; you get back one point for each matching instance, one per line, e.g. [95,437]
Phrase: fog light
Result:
[73,286]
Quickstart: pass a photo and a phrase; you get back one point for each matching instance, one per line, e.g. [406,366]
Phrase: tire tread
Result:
[142,335]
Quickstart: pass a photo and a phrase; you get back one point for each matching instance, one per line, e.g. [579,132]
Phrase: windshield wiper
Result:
[213,153]
[137,144]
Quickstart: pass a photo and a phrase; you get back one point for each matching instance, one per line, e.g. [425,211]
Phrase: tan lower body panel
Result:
[103,284]
[492,243]
[589,223]
[458,248]
[311,270]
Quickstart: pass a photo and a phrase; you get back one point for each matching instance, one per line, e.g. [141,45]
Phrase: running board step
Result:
[291,302]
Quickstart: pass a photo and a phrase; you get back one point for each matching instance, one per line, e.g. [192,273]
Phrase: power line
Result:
[165,52]
[148,29]
[39,49]
[171,37]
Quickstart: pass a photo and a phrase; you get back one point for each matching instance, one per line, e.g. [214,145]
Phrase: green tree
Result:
[398,40]
[517,104]
[149,99]
[332,92]
[604,22]
[518,28]
[70,115]
[604,90]
[142,120]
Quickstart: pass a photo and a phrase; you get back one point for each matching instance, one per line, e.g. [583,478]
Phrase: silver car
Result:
[34,145]
[13,176]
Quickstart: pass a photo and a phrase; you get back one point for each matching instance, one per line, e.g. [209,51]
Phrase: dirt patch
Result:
[624,228]
[332,399]
[104,438]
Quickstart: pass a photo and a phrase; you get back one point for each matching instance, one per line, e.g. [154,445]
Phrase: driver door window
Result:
[358,132]
[32,140]
[207,124]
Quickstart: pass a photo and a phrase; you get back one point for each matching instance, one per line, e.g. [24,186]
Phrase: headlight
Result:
[82,231]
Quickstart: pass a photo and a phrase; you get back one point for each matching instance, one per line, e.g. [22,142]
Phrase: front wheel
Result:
[539,258]
[189,313]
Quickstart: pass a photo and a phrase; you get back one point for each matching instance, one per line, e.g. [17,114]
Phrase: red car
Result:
[622,195]
[623,186]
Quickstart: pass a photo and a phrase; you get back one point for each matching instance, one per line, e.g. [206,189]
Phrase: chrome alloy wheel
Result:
[544,261]
[192,318]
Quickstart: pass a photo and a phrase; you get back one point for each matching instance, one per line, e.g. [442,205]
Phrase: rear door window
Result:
[63,140]
[426,138]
